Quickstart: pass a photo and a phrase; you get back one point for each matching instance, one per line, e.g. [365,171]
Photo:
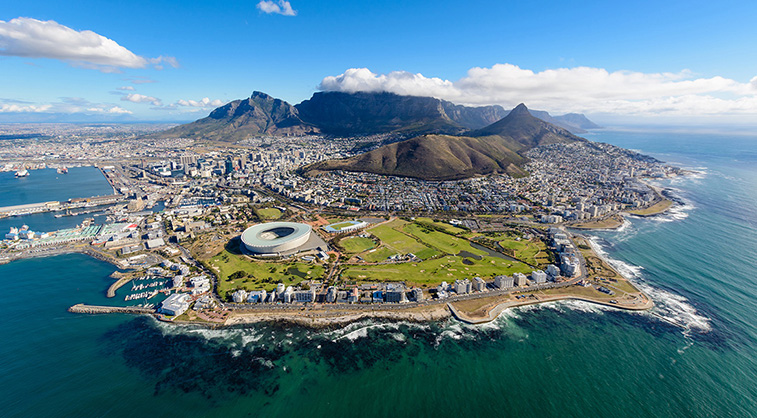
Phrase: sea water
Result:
[693,355]
[47,185]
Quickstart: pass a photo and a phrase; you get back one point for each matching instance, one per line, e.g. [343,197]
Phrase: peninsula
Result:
[271,212]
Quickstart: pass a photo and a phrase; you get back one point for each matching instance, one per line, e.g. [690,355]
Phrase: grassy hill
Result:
[434,157]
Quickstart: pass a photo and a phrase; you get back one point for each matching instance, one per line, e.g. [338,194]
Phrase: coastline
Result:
[51,252]
[601,285]
[662,205]
[316,318]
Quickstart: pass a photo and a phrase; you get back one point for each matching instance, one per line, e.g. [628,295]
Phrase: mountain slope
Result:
[433,157]
[240,119]
[497,148]
[522,131]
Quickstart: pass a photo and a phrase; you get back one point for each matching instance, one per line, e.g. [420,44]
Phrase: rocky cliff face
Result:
[260,114]
[370,113]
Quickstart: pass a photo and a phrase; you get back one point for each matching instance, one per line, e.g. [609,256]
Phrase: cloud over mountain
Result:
[32,38]
[578,89]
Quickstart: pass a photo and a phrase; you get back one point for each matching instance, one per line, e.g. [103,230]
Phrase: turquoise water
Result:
[47,185]
[561,359]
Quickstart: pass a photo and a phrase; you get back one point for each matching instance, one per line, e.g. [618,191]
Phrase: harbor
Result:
[46,190]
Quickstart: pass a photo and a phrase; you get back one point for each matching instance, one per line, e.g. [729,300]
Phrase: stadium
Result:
[276,238]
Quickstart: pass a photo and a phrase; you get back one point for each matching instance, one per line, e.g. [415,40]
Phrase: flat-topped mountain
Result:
[497,148]
[371,113]
[347,114]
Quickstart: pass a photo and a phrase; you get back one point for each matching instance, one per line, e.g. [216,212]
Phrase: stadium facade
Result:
[275,237]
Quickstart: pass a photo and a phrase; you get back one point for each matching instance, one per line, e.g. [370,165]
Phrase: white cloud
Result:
[204,102]
[66,105]
[15,108]
[578,89]
[112,110]
[32,38]
[140,98]
[281,7]
[129,88]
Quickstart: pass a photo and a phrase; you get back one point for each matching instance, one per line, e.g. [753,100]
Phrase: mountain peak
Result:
[525,131]
[259,94]
[521,109]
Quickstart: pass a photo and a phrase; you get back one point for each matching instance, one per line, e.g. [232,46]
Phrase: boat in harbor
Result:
[22,173]
[63,170]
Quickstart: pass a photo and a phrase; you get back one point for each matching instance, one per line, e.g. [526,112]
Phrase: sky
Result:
[617,62]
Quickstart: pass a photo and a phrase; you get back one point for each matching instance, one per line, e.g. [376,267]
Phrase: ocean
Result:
[694,355]
[47,185]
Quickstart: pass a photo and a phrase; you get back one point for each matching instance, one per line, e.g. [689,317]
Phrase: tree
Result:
[238,275]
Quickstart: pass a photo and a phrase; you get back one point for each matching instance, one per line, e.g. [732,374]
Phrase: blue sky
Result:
[615,61]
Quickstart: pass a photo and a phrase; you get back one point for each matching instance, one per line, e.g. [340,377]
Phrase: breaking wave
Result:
[669,307]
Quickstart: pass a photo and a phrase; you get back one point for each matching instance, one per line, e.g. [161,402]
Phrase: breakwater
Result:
[96,309]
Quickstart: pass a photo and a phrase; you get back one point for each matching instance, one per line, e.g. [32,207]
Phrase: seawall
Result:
[94,309]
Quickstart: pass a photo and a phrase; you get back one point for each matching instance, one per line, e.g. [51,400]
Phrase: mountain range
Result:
[497,148]
[448,141]
[349,114]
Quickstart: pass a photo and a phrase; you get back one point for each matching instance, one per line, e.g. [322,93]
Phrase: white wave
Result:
[626,270]
[626,231]
[676,309]
[230,336]
[248,339]
[578,305]
[360,330]
[625,227]
[669,307]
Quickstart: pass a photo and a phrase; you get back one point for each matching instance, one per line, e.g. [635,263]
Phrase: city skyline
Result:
[640,63]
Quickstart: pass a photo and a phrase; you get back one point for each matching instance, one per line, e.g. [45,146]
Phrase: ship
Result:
[22,173]
[63,170]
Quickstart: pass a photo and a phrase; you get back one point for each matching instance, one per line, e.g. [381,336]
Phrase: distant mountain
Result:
[574,122]
[497,148]
[578,120]
[348,114]
[261,114]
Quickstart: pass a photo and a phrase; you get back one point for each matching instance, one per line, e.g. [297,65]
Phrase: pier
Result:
[95,309]
[52,206]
